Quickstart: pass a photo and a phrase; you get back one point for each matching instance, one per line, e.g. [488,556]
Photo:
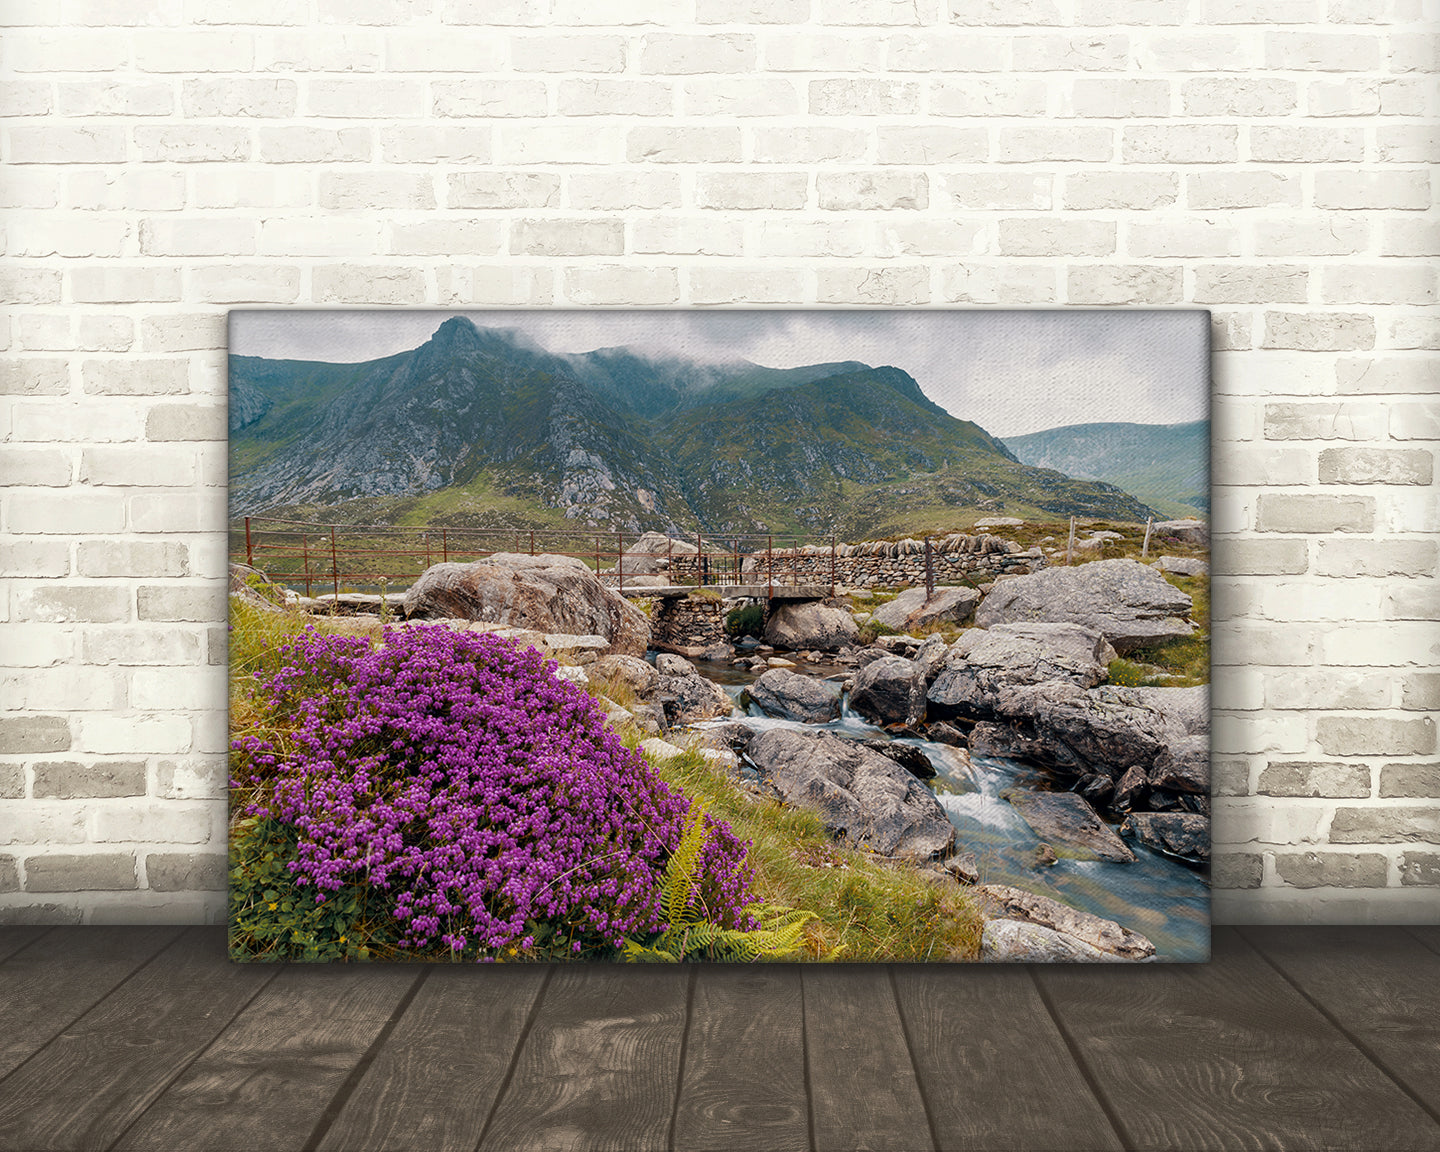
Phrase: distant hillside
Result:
[481,427]
[1165,465]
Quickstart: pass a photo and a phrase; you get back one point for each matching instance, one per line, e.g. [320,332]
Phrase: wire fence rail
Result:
[344,557]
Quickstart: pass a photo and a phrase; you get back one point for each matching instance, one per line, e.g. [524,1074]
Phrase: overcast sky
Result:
[1010,372]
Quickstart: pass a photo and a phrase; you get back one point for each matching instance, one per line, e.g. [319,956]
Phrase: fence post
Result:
[444,546]
[249,557]
[769,568]
[428,558]
[1070,544]
[597,555]
[619,567]
[699,561]
[532,541]
[832,564]
[929,572]
[334,565]
[305,560]
[1144,548]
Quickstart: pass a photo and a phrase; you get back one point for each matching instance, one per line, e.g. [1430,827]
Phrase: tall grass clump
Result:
[480,799]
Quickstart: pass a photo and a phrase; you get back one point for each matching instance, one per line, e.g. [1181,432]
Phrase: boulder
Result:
[1182,565]
[1183,766]
[791,696]
[730,734]
[1130,604]
[889,691]
[942,733]
[1020,942]
[1105,935]
[864,798]
[636,674]
[1066,821]
[999,522]
[798,625]
[669,664]
[911,609]
[1185,835]
[649,554]
[1064,637]
[1188,531]
[930,657]
[1130,790]
[658,749]
[551,594]
[908,756]
[688,698]
[981,664]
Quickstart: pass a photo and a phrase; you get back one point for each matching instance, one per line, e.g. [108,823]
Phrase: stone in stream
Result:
[911,609]
[889,691]
[1020,942]
[1130,790]
[942,733]
[798,625]
[909,757]
[788,695]
[1106,935]
[669,664]
[1067,822]
[687,697]
[864,798]
[1183,766]
[1185,835]
[551,594]
[1131,604]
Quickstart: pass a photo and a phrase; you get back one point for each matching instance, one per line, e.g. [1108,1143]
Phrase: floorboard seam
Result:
[1424,943]
[204,1048]
[28,944]
[1077,1057]
[805,1069]
[108,993]
[357,1073]
[914,1064]
[684,1048]
[520,1041]
[1359,1045]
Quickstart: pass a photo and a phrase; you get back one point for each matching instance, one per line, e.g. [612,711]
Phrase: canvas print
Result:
[738,636]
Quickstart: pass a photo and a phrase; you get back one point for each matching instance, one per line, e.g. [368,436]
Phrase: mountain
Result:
[481,427]
[1165,465]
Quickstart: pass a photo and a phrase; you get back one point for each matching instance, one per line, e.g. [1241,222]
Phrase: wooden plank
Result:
[269,1077]
[600,1066]
[436,1079]
[1381,985]
[61,976]
[1226,1055]
[1427,934]
[92,1081]
[14,937]
[744,1080]
[984,1045]
[863,1090]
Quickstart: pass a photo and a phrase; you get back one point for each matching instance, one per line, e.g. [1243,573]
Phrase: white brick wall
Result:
[168,159]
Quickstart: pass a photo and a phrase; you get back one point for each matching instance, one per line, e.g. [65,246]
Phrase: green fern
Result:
[688,935]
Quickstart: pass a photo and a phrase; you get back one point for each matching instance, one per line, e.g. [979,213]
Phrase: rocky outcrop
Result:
[864,799]
[911,609]
[1021,942]
[1067,823]
[981,664]
[1130,604]
[889,691]
[789,695]
[1106,935]
[1185,835]
[687,698]
[638,675]
[554,594]
[1187,531]
[810,624]
[908,756]
[1182,565]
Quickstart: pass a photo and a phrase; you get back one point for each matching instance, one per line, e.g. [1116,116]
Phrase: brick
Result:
[1333,869]
[931,144]
[683,145]
[446,238]
[864,96]
[489,98]
[170,602]
[368,191]
[1310,236]
[1420,601]
[305,144]
[1325,421]
[1332,688]
[1377,645]
[1421,692]
[237,96]
[1410,237]
[1314,514]
[190,143]
[9,874]
[1063,53]
[29,285]
[1420,868]
[752,190]
[197,237]
[986,96]
[34,377]
[139,646]
[366,98]
[186,871]
[1226,284]
[34,558]
[686,236]
[748,285]
[1397,825]
[1238,96]
[1322,600]
[1005,13]
[1122,284]
[806,145]
[1388,283]
[623,189]
[1314,779]
[873,190]
[496,11]
[814,51]
[136,735]
[1299,144]
[341,50]
[874,285]
[1262,644]
[37,237]
[356,284]
[555,237]
[999,284]
[69,780]
[246,284]
[494,285]
[1197,51]
[125,285]
[1045,236]
[1410,781]
[67,144]
[621,284]
[22,734]
[135,189]
[26,98]
[1408,144]
[1375,736]
[150,377]
[595,97]
[1027,145]
[1414,421]
[554,53]
[1230,777]
[1129,189]
[503,190]
[915,237]
[1381,558]
[810,238]
[1319,331]
[93,872]
[191,779]
[1321,52]
[752,11]
[72,512]
[1242,189]
[189,332]
[1190,238]
[1372,190]
[1376,466]
[1179,144]
[1241,821]
[191,50]
[66,689]
[873,12]
[673,54]
[44,913]
[1107,98]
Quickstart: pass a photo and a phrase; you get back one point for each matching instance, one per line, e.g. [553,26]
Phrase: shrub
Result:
[454,772]
[747,620]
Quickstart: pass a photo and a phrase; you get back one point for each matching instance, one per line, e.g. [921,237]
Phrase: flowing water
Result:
[1164,900]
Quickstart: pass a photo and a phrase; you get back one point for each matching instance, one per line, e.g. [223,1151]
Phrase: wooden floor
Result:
[1291,1038]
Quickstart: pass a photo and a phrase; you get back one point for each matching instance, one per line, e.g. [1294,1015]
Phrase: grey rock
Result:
[981,665]
[1182,834]
[1020,942]
[864,798]
[1131,789]
[911,609]
[791,696]
[669,664]
[1189,531]
[638,675]
[1067,822]
[889,691]
[908,756]
[930,657]
[649,553]
[689,697]
[810,624]
[942,733]
[1064,637]
[963,866]
[1100,933]
[1183,766]
[1129,603]
[1182,565]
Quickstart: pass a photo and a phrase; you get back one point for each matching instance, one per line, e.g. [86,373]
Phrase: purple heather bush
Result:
[455,771]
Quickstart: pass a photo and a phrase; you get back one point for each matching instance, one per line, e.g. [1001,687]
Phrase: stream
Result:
[1164,900]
